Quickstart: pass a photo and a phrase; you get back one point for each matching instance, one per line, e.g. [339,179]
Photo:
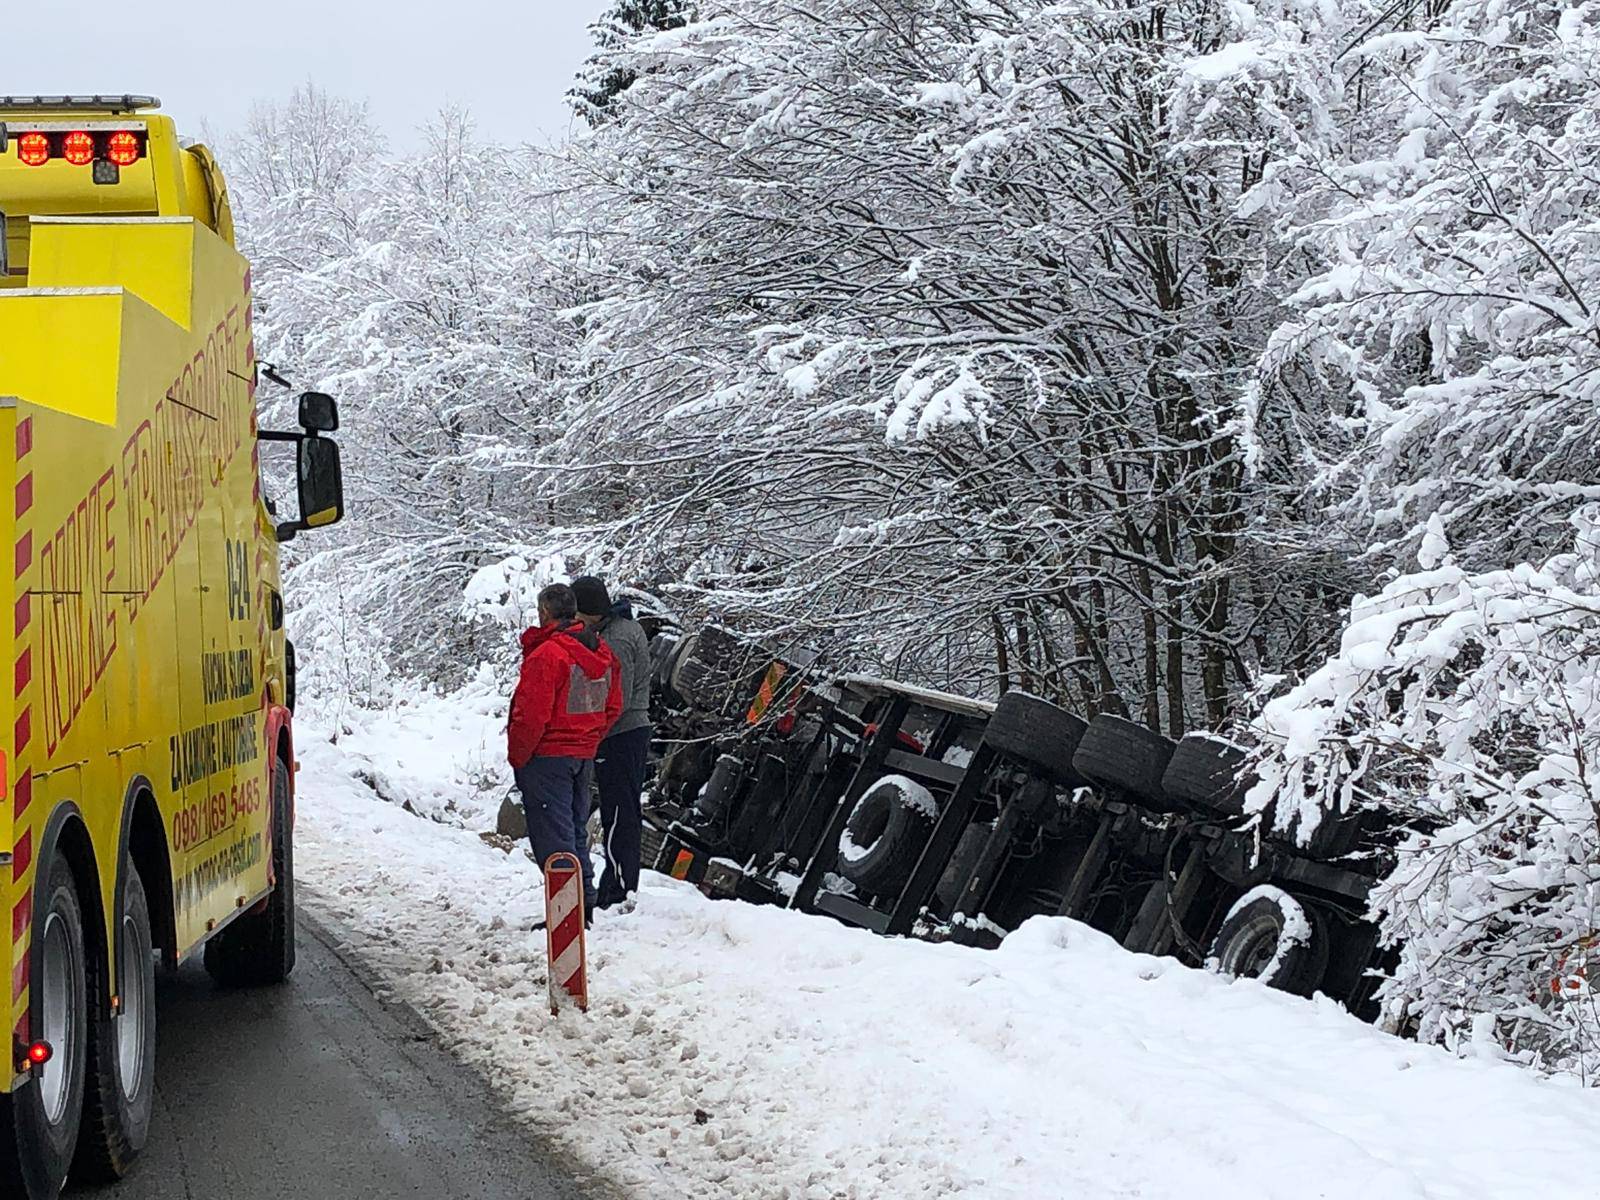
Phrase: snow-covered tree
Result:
[1466,705]
[1442,200]
[1455,274]
[603,77]
[930,342]
[422,291]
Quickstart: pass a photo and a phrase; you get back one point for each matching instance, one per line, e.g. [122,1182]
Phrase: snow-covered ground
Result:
[753,1053]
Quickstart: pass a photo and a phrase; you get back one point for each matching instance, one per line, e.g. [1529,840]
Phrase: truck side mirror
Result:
[319,412]
[321,482]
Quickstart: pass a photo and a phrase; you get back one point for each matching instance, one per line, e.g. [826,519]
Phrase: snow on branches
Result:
[1455,270]
[1452,278]
[1465,706]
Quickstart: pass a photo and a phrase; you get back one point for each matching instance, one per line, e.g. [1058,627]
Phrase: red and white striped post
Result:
[563,913]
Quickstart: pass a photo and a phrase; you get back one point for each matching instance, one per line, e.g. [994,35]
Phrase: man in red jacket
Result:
[568,696]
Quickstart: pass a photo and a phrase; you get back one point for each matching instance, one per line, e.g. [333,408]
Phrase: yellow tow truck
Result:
[146,750]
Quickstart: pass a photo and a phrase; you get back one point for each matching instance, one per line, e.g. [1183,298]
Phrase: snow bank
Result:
[440,758]
[739,1051]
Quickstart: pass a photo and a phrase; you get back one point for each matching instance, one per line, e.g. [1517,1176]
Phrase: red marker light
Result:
[122,148]
[33,149]
[78,148]
[39,1053]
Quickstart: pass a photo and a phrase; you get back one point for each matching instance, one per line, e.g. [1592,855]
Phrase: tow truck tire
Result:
[892,830]
[120,1080]
[39,1121]
[1249,944]
[258,948]
[1117,753]
[1039,733]
[1209,773]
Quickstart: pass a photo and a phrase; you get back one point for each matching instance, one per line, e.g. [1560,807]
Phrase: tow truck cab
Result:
[146,757]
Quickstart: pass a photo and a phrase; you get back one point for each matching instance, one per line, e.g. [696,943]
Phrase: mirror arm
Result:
[286,530]
[273,435]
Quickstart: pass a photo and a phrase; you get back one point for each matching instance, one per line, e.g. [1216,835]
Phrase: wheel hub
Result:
[133,956]
[59,1010]
[1253,951]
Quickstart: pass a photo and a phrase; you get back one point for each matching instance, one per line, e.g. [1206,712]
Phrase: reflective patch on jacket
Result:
[585,695]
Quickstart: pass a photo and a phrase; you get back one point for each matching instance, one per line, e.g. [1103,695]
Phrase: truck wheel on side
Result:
[651,841]
[1120,754]
[1039,733]
[1270,936]
[1208,772]
[661,651]
[258,948]
[39,1121]
[885,834]
[120,1087]
[712,667]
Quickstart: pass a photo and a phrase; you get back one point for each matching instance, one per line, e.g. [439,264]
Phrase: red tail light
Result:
[33,149]
[122,148]
[78,148]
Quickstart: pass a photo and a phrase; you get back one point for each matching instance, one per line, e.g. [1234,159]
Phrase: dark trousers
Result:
[555,795]
[619,769]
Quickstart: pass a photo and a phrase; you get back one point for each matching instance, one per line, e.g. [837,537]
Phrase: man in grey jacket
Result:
[623,757]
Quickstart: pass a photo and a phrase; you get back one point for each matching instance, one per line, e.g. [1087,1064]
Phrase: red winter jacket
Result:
[569,695]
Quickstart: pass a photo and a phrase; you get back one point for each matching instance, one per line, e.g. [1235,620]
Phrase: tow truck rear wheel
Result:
[39,1121]
[120,1090]
[258,948]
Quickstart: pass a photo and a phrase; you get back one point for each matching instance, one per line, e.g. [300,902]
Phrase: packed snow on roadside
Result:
[754,1053]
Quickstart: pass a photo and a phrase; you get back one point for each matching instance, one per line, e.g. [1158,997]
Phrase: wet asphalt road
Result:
[317,1090]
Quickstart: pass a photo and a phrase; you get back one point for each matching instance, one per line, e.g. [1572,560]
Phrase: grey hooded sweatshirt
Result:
[628,642]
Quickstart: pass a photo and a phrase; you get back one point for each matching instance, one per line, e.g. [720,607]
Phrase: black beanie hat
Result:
[592,595]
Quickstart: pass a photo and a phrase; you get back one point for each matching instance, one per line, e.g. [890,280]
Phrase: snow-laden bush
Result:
[505,594]
[1468,705]
[1445,218]
[343,659]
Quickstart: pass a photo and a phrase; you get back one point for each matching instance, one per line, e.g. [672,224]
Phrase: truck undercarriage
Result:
[912,812]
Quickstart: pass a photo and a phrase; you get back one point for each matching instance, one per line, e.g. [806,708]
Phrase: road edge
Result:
[341,943]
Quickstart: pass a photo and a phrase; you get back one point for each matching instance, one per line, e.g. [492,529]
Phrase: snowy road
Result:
[317,1090]
[745,1053]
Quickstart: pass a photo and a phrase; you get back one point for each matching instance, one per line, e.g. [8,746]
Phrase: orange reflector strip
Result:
[681,864]
[769,689]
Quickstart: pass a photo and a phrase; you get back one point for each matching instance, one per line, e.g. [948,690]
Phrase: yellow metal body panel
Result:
[137,638]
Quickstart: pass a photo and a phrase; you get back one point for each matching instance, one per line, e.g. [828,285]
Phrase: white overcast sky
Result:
[508,61]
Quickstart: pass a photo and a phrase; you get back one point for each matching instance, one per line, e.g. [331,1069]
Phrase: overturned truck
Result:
[920,813]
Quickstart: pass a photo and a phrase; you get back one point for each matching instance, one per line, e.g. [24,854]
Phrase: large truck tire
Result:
[663,653]
[258,948]
[664,669]
[120,1079]
[1270,936]
[1117,753]
[1209,773]
[39,1121]
[886,833]
[661,648]
[651,840]
[1039,733]
[713,667]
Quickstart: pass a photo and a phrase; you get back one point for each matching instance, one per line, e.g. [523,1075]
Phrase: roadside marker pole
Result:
[563,924]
